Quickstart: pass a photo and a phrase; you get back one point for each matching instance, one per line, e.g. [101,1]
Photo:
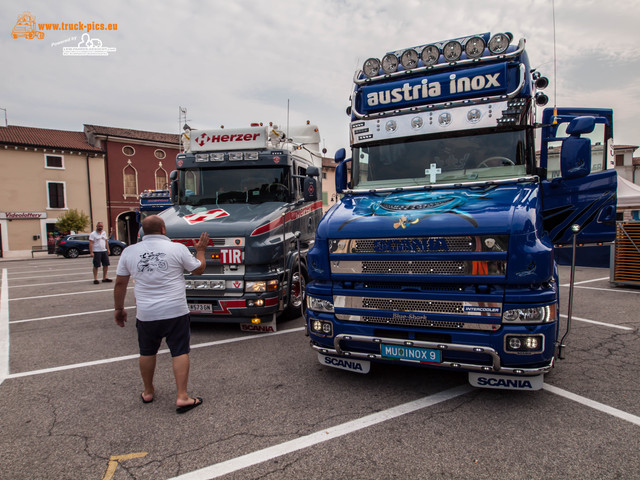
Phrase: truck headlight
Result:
[260,286]
[319,304]
[543,314]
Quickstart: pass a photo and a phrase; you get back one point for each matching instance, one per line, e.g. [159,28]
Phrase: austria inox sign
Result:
[436,88]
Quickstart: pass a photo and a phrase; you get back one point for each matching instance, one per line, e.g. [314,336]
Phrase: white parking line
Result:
[593,404]
[52,275]
[586,281]
[130,357]
[65,294]
[4,327]
[86,280]
[595,322]
[323,435]
[64,316]
[616,290]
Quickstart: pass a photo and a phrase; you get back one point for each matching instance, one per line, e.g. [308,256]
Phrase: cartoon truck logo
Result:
[26,27]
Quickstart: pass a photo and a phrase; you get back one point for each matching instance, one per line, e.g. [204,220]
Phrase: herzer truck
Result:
[254,190]
[440,253]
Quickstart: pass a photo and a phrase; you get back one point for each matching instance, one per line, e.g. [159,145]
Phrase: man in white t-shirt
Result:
[99,251]
[157,266]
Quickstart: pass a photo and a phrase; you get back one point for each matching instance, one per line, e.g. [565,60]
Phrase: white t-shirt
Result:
[99,241]
[157,266]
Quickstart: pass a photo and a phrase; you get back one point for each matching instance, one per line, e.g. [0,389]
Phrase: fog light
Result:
[259,302]
[524,343]
[531,343]
[316,325]
[326,327]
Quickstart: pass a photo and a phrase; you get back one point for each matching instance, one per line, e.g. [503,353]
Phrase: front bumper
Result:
[343,347]
[232,309]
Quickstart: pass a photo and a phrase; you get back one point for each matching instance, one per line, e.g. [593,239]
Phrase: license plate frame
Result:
[412,354]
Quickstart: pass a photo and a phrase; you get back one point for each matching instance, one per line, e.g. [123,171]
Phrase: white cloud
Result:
[236,62]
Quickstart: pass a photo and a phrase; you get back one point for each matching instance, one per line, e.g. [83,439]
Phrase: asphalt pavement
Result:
[71,408]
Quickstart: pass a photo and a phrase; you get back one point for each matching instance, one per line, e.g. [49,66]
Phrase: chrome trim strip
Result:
[495,368]
[417,322]
[411,305]
[409,267]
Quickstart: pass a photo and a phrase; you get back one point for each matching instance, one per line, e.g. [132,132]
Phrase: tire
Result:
[296,295]
[116,250]
[72,253]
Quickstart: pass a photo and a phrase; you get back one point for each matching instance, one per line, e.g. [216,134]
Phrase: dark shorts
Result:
[176,331]
[100,258]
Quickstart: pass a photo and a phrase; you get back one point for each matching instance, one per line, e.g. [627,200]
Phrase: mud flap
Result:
[263,327]
[506,382]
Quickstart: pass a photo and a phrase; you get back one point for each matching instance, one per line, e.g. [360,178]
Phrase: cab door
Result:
[588,201]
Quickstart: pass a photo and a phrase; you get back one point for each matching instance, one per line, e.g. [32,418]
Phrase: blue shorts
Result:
[176,331]
[101,257]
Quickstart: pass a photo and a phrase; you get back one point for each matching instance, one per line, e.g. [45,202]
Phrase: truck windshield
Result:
[212,186]
[444,160]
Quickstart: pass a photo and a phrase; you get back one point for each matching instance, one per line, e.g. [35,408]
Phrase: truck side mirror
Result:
[173,176]
[575,155]
[310,185]
[341,175]
[310,192]
[340,155]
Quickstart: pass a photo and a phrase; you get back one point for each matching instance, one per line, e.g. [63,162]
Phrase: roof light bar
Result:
[468,48]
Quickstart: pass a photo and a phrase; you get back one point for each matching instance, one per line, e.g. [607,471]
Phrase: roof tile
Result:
[45,138]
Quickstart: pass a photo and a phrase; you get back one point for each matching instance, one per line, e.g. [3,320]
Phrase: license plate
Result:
[200,307]
[401,352]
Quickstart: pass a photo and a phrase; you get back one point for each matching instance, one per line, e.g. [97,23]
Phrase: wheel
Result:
[116,250]
[296,306]
[72,253]
[483,164]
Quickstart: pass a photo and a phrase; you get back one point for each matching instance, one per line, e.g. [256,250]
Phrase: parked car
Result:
[73,245]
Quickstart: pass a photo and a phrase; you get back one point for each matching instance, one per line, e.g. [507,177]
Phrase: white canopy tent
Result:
[628,194]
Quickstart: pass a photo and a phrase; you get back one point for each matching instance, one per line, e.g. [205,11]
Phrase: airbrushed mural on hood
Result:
[409,208]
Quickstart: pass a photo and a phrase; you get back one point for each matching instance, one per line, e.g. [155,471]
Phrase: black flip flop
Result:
[184,409]
[145,401]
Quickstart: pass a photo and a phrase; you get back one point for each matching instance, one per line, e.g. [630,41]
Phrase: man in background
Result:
[99,250]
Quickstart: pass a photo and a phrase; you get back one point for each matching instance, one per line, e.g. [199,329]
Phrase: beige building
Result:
[329,196]
[46,173]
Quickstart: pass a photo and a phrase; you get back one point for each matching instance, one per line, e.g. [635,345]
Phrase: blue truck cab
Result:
[440,253]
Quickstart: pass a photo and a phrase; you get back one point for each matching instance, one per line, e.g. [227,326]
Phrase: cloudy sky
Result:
[238,61]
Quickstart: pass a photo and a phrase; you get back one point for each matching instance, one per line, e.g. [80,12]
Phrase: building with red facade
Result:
[135,161]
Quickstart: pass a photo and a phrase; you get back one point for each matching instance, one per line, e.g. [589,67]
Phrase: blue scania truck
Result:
[440,253]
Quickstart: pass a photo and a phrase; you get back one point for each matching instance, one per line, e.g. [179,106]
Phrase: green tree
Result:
[72,221]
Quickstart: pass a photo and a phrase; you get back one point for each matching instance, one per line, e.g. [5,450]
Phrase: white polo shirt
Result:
[157,266]
[99,241]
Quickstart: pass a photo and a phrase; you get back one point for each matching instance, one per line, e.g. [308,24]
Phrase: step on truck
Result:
[254,190]
[440,253]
